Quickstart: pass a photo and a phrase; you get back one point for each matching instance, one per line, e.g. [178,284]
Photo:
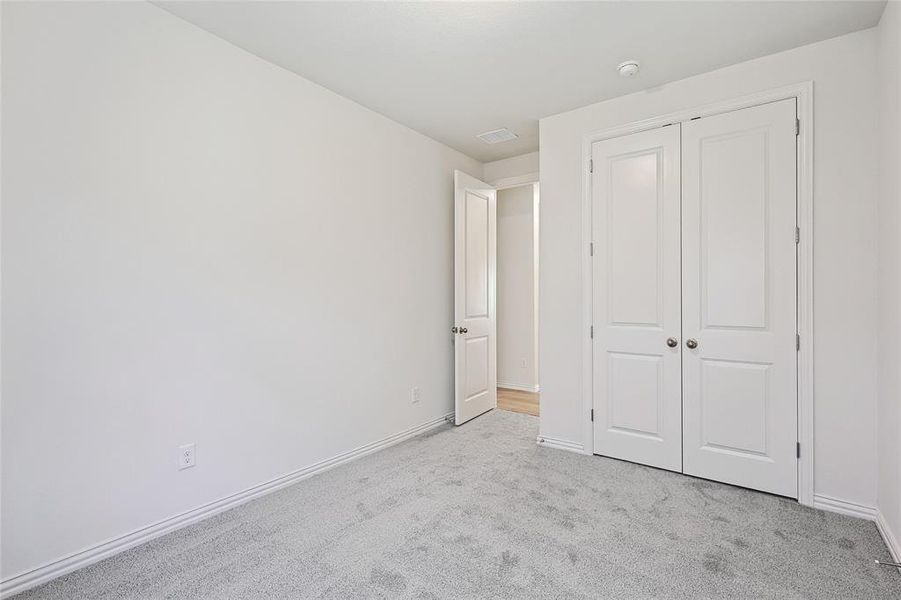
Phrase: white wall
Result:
[198,246]
[889,313]
[516,344]
[516,166]
[845,145]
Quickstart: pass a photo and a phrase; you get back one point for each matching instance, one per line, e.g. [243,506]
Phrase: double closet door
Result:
[694,297]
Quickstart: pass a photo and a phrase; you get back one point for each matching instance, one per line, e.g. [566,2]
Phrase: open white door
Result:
[475,321]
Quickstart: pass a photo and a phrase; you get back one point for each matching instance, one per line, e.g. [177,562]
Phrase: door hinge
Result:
[592,415]
[797,235]
[798,446]
[591,249]
[591,332]
[797,126]
[797,341]
[591,165]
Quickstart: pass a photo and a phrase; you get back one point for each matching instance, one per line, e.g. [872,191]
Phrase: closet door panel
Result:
[635,222]
[739,298]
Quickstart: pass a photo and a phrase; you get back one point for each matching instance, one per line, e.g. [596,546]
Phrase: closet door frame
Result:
[803,93]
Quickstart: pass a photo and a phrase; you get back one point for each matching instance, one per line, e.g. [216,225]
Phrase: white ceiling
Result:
[453,70]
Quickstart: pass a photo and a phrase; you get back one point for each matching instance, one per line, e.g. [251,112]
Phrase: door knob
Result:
[463,330]
[692,344]
[455,329]
[672,342]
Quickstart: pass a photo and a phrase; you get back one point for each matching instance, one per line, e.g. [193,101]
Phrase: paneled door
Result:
[475,321]
[636,307]
[739,315]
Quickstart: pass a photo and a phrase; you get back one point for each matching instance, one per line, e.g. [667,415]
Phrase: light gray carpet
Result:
[481,511]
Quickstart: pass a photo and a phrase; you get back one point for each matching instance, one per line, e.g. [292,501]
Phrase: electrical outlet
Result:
[415,395]
[186,456]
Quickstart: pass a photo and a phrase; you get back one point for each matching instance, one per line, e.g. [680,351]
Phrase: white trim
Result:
[803,92]
[804,95]
[23,581]
[844,507]
[517,181]
[894,545]
[560,444]
[520,387]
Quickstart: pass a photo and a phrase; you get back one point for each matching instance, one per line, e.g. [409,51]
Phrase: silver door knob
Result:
[455,329]
[672,342]
[463,330]
[692,344]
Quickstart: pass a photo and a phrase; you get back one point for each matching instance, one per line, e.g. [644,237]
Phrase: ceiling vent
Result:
[497,136]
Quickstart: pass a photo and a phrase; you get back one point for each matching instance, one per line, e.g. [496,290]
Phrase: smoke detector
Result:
[628,69]
[497,136]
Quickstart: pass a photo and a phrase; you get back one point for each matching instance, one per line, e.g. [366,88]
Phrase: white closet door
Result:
[636,306]
[739,298]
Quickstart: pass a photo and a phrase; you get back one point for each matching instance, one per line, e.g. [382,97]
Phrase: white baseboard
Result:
[549,442]
[23,581]
[891,540]
[518,387]
[844,507]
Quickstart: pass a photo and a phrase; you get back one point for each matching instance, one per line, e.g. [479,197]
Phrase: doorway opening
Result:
[517,298]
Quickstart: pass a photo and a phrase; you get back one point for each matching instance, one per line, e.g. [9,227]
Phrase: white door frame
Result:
[803,92]
[507,183]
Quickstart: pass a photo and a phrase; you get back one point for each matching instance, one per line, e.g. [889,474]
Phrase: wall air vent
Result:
[497,136]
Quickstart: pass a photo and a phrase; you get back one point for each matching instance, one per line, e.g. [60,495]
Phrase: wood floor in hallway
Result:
[517,401]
